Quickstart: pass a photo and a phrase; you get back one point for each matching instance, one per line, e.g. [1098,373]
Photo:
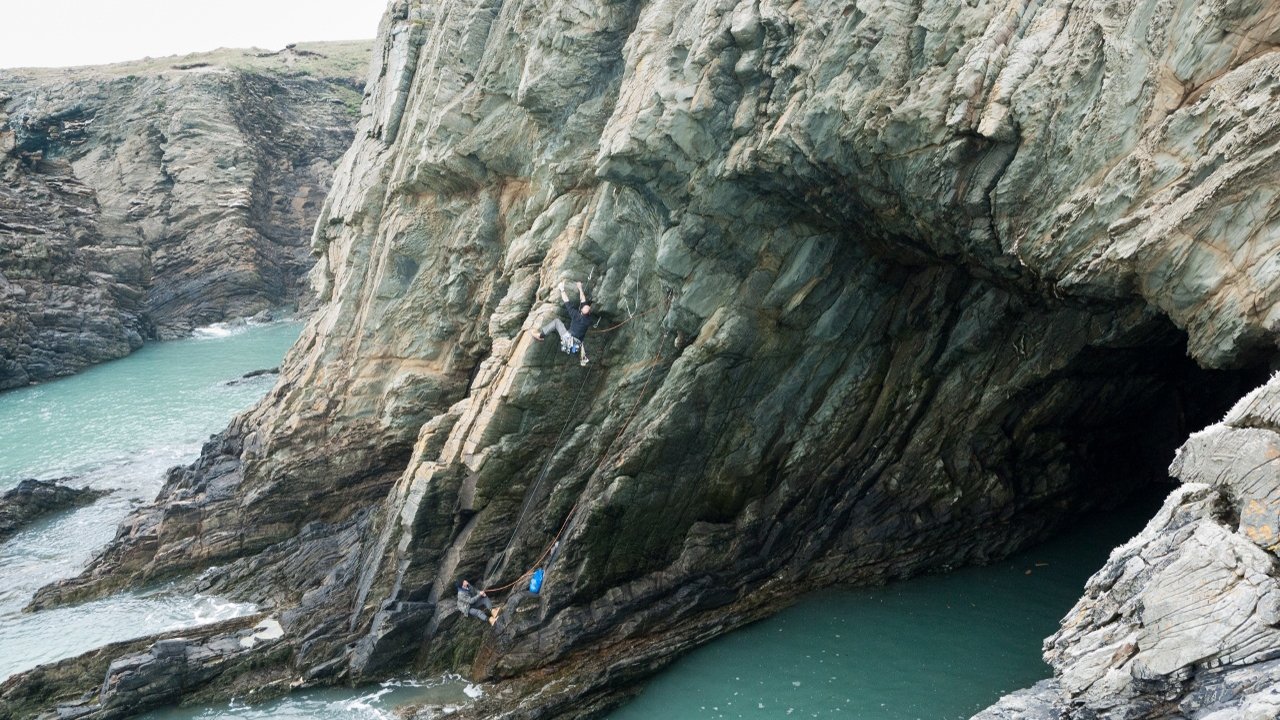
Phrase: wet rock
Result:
[394,639]
[253,374]
[1042,701]
[264,371]
[128,678]
[33,499]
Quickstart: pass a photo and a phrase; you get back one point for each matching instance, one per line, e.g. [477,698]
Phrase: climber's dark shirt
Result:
[578,323]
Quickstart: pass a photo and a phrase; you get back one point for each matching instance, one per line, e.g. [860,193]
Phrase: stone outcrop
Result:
[142,199]
[1184,619]
[243,655]
[887,287]
[61,306]
[32,499]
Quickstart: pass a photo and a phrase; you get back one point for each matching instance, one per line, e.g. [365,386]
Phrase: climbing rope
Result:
[546,465]
[586,220]
[611,328]
[605,457]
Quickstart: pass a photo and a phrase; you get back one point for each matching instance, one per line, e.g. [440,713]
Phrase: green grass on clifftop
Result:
[339,59]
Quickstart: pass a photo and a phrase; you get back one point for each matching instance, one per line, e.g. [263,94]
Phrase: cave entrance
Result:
[1149,399]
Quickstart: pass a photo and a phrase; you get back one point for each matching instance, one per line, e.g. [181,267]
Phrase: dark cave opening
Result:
[1121,441]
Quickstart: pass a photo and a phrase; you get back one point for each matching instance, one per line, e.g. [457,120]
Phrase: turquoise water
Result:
[159,401]
[933,648]
[117,426]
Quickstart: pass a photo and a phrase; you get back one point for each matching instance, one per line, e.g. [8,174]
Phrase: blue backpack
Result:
[535,583]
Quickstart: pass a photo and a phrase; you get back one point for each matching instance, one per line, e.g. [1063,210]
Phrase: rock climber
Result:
[579,320]
[475,604]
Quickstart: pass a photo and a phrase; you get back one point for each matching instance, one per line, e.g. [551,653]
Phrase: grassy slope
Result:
[347,58]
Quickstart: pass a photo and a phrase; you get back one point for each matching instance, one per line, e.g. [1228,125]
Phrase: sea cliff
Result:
[884,288]
[142,199]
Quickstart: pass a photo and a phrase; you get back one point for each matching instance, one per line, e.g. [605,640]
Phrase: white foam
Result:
[364,703]
[211,609]
[233,327]
[268,629]
[220,330]
[473,691]
[406,682]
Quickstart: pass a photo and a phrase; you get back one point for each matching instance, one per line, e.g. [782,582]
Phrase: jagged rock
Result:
[887,288]
[144,199]
[139,675]
[253,374]
[1042,701]
[1184,619]
[32,499]
[61,307]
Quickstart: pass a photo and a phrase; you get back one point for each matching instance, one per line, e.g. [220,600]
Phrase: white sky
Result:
[55,33]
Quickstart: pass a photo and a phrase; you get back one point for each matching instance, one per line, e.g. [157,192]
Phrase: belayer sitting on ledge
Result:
[470,603]
[579,320]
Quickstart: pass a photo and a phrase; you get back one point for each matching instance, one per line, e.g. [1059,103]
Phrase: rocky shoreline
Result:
[141,200]
[887,289]
[33,499]
[135,676]
[1182,621]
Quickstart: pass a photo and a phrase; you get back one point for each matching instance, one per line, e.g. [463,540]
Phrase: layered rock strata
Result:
[139,675]
[888,287]
[1183,621]
[61,305]
[142,199]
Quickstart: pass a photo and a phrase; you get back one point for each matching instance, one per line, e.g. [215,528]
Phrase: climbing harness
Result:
[605,457]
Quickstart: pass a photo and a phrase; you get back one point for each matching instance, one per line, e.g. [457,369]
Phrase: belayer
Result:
[579,320]
[475,604]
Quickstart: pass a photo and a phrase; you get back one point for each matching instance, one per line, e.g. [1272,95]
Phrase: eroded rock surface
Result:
[1184,619]
[61,305]
[241,656]
[888,288]
[32,499]
[142,199]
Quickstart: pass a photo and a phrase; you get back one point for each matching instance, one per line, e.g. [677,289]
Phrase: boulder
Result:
[33,499]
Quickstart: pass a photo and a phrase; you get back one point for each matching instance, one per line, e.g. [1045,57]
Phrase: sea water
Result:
[117,426]
[933,648]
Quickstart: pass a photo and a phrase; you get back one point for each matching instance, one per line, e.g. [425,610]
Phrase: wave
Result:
[229,328]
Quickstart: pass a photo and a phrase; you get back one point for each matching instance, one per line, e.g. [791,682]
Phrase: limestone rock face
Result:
[885,288]
[143,199]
